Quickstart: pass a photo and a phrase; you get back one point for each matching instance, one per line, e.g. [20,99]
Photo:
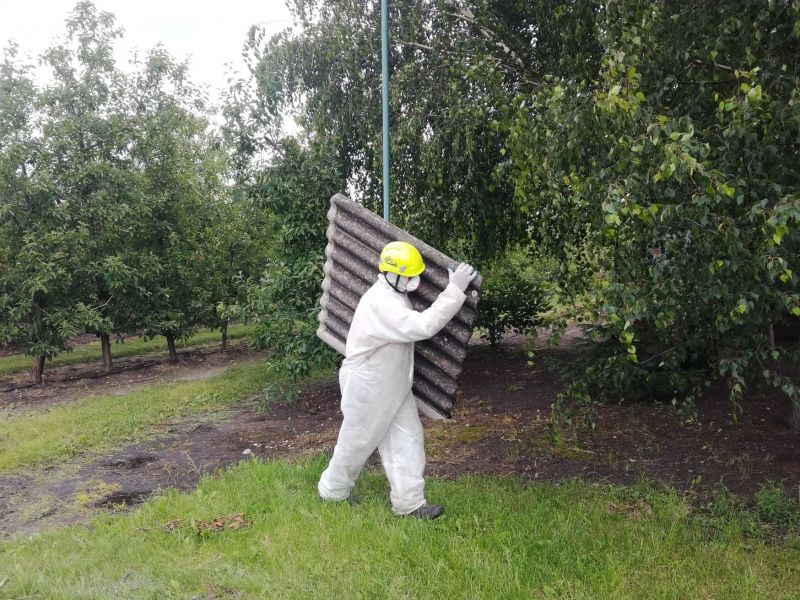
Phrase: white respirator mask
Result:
[413,284]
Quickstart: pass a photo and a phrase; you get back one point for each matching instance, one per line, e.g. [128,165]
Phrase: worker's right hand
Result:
[462,276]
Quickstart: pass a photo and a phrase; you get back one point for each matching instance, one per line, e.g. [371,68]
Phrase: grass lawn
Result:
[499,538]
[98,422]
[91,352]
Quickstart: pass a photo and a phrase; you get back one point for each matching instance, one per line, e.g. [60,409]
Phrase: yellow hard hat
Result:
[401,258]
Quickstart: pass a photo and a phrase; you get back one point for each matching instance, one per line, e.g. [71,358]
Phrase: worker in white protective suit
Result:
[376,377]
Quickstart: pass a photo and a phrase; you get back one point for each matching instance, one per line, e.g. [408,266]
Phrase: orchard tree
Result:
[282,300]
[284,185]
[110,196]
[667,185]
[180,166]
[88,138]
[40,305]
[240,243]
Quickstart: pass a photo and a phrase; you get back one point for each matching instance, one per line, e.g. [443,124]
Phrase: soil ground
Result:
[500,426]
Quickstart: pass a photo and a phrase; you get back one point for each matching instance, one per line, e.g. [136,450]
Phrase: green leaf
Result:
[741,307]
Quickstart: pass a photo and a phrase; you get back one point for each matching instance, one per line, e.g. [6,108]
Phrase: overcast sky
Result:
[209,32]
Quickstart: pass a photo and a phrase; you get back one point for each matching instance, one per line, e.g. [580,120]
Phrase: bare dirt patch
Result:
[185,451]
[501,426]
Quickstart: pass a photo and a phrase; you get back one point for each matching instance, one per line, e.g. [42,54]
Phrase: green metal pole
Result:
[385,70]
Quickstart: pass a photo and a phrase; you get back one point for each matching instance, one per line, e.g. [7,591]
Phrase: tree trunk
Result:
[37,369]
[105,344]
[795,420]
[38,362]
[173,354]
[227,294]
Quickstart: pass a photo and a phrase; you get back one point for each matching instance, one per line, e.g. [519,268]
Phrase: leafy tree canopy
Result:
[667,185]
[650,147]
[456,67]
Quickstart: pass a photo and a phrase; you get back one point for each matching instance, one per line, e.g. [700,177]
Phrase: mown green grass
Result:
[499,538]
[98,422]
[91,352]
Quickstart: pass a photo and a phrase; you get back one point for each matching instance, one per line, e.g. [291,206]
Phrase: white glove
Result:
[462,276]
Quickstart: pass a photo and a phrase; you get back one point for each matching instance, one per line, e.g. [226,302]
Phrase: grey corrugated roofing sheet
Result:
[356,237]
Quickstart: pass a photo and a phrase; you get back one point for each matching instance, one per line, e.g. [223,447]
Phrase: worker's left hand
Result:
[462,276]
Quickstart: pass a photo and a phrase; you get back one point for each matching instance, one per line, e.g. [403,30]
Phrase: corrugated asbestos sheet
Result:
[356,237]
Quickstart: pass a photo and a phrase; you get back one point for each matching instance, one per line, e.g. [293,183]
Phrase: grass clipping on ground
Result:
[98,422]
[259,531]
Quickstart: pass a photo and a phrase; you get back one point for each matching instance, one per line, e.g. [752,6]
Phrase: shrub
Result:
[512,295]
[283,302]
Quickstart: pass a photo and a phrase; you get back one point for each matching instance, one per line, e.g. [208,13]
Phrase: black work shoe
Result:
[427,511]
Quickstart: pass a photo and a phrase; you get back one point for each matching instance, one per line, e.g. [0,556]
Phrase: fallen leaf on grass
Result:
[173,525]
[233,521]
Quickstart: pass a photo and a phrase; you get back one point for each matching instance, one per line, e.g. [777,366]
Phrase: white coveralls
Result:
[378,406]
